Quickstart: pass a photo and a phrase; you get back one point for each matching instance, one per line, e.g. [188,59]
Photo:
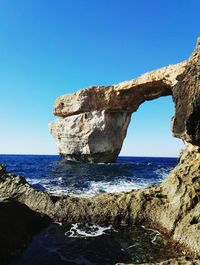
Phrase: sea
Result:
[89,244]
[60,177]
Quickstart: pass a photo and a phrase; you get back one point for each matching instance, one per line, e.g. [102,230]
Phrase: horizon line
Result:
[15,154]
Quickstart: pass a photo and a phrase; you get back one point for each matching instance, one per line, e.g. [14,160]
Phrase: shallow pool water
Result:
[95,245]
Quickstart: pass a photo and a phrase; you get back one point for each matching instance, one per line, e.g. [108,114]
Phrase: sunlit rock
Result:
[93,121]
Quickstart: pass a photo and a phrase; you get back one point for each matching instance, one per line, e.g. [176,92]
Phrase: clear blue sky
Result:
[49,48]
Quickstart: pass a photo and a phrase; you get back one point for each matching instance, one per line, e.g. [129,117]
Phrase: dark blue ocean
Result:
[89,244]
[52,174]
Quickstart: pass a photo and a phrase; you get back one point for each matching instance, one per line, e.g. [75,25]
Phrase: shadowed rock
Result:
[186,96]
[173,206]
[18,224]
[176,261]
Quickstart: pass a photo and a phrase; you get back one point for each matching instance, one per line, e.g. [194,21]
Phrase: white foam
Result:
[150,229]
[33,181]
[95,187]
[156,232]
[56,189]
[56,186]
[77,230]
[114,186]
[162,173]
[131,246]
[58,223]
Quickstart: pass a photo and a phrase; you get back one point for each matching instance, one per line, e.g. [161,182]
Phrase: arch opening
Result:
[149,132]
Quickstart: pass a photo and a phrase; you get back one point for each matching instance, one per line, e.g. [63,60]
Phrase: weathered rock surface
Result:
[173,206]
[125,96]
[94,121]
[18,224]
[177,261]
[95,136]
[186,94]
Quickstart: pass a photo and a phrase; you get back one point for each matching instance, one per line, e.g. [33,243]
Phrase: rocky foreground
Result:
[92,127]
[172,207]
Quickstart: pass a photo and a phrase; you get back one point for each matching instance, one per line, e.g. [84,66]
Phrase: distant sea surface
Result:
[61,177]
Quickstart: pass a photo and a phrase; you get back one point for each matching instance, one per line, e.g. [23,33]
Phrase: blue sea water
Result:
[58,176]
[89,244]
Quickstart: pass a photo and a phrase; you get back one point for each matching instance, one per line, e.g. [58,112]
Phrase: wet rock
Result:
[176,261]
[18,224]
[92,127]
[173,206]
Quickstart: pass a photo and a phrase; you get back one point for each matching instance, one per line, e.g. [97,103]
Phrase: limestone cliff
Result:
[186,96]
[95,136]
[93,121]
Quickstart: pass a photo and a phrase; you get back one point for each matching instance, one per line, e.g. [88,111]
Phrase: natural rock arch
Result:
[93,121]
[172,206]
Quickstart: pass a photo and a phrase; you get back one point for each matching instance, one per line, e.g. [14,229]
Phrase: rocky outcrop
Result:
[186,96]
[125,96]
[18,224]
[173,206]
[176,261]
[95,136]
[93,122]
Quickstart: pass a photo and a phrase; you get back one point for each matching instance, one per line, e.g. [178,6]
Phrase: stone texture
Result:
[176,261]
[93,121]
[186,94]
[95,136]
[125,96]
[18,224]
[90,116]
[172,207]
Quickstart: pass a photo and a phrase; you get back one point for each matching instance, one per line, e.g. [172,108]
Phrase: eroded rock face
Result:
[93,121]
[186,94]
[18,224]
[176,261]
[125,96]
[173,206]
[81,133]
[95,136]
[89,117]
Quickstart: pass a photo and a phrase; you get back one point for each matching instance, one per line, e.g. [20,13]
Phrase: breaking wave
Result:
[60,177]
